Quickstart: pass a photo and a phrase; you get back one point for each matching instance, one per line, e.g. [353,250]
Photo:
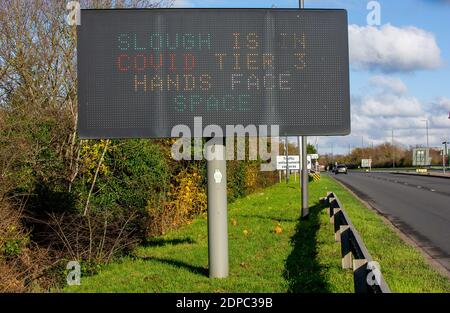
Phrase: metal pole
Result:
[443,160]
[299,144]
[446,151]
[217,211]
[393,150]
[287,160]
[426,123]
[332,153]
[305,206]
[304,176]
[444,154]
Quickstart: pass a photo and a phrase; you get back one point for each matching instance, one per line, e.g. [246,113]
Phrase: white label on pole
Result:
[217,176]
[314,156]
[308,159]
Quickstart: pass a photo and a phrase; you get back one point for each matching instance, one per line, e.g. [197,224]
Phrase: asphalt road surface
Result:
[419,206]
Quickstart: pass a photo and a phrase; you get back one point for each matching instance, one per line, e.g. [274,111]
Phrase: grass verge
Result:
[270,251]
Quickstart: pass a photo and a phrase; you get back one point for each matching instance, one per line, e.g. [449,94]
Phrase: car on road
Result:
[341,169]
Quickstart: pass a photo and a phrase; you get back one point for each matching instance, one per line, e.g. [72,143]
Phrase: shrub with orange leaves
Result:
[186,199]
[90,155]
[251,177]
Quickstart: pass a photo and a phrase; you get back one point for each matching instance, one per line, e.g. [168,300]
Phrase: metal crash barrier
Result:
[367,275]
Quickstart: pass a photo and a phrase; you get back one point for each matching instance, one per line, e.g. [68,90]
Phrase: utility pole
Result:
[332,153]
[304,177]
[426,122]
[393,150]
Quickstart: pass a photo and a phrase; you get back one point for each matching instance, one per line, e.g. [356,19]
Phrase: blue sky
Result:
[396,82]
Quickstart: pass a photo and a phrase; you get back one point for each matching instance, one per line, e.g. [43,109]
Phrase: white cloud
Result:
[388,106]
[389,83]
[439,113]
[392,49]
[387,97]
[391,105]
[443,103]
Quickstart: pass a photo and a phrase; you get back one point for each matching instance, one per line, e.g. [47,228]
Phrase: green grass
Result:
[302,258]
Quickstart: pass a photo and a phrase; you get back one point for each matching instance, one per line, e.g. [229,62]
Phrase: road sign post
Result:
[305,178]
[217,210]
[287,159]
[304,171]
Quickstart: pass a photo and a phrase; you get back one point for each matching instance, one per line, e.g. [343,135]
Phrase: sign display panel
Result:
[142,72]
[421,157]
[366,163]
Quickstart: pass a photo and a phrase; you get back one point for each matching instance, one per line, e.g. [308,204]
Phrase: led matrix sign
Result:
[141,72]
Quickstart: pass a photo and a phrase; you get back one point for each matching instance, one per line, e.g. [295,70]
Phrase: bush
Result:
[186,199]
[134,172]
[236,183]
[96,238]
[22,263]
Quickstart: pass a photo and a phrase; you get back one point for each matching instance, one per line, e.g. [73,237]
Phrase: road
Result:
[419,206]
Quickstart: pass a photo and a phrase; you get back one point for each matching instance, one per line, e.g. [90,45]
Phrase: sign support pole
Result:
[305,206]
[217,209]
[287,160]
[304,167]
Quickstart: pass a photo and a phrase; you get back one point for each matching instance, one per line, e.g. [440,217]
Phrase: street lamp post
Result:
[426,122]
[444,154]
[393,150]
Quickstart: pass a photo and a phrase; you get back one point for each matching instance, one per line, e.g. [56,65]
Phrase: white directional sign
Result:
[294,162]
[366,163]
[314,156]
[421,157]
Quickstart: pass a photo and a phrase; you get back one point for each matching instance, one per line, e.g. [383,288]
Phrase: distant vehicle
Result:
[341,169]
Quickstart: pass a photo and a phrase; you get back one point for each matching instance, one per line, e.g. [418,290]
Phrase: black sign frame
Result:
[161,129]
